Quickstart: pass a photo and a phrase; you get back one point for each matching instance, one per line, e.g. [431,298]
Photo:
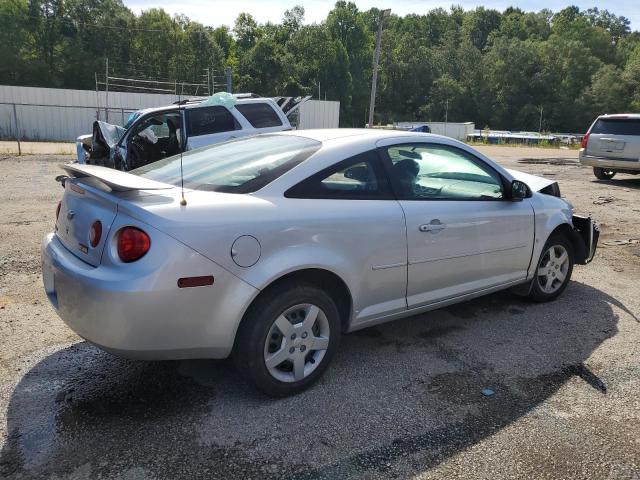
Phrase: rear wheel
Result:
[287,339]
[554,269]
[603,173]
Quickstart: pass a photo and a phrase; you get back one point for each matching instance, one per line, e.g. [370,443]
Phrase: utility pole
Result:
[227,72]
[540,128]
[376,59]
[106,90]
[446,117]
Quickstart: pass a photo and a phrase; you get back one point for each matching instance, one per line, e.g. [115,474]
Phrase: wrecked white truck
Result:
[156,133]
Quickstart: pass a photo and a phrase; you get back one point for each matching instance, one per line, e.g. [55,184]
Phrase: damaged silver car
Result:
[156,133]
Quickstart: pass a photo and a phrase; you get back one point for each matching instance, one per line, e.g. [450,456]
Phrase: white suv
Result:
[156,133]
[612,145]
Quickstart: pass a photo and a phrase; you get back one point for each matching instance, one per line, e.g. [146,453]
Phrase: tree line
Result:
[502,70]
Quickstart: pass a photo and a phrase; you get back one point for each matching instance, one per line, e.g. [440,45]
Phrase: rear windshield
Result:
[238,166]
[617,126]
[260,115]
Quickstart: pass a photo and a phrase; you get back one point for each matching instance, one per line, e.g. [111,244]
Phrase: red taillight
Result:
[58,209]
[95,233]
[133,244]
[585,139]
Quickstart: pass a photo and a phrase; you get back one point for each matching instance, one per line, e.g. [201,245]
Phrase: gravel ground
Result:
[400,400]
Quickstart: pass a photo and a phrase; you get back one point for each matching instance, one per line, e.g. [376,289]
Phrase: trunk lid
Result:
[91,194]
[81,206]
[616,138]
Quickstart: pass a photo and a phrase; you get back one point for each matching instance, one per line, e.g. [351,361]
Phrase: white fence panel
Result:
[56,114]
[319,114]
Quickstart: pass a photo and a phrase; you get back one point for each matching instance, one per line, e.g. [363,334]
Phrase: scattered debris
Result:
[618,242]
[487,392]
[603,200]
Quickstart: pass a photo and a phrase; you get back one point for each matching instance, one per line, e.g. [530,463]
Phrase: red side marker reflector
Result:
[77,189]
[187,282]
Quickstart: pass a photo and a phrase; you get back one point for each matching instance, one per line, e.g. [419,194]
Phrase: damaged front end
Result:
[585,238]
[585,234]
[99,147]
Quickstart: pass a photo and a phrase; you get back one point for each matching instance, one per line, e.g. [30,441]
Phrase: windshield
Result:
[238,166]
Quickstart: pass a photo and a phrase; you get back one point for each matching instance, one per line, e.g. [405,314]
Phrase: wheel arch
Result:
[580,252]
[322,278]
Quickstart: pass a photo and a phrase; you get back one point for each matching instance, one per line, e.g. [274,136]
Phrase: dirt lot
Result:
[403,399]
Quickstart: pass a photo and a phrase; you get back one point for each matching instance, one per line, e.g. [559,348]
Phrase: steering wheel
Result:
[135,156]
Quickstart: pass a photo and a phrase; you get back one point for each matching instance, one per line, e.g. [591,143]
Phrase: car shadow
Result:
[411,388]
[624,182]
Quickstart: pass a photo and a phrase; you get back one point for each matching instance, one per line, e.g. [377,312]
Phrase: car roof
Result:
[145,111]
[326,135]
[634,116]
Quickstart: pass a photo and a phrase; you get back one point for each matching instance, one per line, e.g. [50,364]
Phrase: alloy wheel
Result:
[297,342]
[553,269]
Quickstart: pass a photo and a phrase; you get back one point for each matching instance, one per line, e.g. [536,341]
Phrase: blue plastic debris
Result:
[487,392]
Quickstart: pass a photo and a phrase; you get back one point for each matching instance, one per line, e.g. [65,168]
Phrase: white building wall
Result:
[56,114]
[319,114]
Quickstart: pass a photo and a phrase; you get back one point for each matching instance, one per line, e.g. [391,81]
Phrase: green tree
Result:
[608,92]
[346,25]
[246,31]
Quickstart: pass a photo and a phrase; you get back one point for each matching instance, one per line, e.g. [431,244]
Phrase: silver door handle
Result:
[432,227]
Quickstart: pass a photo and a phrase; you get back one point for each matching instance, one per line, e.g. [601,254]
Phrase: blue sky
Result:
[224,12]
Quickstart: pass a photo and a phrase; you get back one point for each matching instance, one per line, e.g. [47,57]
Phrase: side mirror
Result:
[358,172]
[519,191]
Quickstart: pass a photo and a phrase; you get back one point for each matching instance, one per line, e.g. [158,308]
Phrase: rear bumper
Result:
[142,313]
[586,235]
[611,163]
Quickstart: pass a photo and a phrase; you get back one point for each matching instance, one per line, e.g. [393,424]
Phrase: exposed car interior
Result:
[155,138]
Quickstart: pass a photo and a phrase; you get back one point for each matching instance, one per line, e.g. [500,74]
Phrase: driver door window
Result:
[439,172]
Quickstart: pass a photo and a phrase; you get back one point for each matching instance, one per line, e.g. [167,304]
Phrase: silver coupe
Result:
[269,248]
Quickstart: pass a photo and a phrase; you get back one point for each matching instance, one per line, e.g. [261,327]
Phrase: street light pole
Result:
[376,59]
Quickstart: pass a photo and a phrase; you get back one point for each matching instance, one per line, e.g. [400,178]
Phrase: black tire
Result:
[538,292]
[603,173]
[249,350]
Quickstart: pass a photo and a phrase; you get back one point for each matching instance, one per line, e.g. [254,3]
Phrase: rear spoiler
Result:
[115,179]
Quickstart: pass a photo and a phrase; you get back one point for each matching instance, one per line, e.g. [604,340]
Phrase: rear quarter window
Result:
[259,115]
[208,120]
[617,126]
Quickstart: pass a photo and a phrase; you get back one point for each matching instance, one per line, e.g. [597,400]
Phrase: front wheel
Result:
[603,173]
[287,339]
[554,269]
